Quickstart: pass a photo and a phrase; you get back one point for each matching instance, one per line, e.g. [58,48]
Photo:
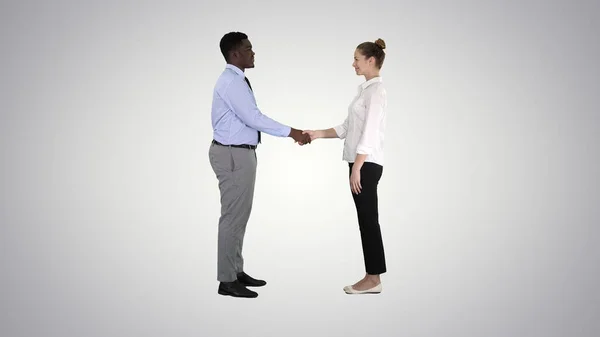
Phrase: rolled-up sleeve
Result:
[244,106]
[374,115]
[342,129]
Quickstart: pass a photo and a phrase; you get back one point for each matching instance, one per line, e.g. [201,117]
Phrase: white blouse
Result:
[364,128]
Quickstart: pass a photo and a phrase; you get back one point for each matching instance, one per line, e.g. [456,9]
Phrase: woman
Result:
[363,131]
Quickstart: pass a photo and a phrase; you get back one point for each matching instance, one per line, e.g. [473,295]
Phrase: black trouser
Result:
[368,218]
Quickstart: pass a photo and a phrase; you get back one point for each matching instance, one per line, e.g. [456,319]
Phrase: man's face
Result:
[246,54]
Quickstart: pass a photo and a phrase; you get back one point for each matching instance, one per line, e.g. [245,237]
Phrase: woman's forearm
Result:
[327,133]
[359,161]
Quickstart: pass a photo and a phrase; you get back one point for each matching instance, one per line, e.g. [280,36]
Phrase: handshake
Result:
[303,137]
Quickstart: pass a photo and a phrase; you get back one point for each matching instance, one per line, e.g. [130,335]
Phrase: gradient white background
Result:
[489,201]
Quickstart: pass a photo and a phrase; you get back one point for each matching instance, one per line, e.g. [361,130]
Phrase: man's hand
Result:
[299,137]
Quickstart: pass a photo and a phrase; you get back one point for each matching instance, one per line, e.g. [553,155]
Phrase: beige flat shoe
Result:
[375,290]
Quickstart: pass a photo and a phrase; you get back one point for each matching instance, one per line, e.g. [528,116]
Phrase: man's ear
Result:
[234,54]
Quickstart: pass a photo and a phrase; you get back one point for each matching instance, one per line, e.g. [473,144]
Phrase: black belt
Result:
[243,146]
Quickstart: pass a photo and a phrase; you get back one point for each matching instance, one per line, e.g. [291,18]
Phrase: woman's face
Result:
[361,64]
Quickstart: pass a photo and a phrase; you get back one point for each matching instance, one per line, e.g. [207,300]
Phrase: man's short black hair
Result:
[231,41]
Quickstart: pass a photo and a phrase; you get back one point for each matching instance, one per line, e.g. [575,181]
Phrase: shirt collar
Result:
[364,85]
[236,69]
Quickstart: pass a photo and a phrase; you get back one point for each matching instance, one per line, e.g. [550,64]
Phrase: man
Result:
[237,125]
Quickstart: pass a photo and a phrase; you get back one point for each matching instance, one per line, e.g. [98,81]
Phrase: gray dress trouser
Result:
[235,169]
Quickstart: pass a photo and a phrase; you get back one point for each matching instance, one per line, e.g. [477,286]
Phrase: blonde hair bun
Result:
[380,43]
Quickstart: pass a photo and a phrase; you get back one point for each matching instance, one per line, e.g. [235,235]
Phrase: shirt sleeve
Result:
[375,109]
[244,106]
[342,129]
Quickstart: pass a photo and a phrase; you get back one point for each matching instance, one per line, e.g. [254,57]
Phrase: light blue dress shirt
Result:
[235,115]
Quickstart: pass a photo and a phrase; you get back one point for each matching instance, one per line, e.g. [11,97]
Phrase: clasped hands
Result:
[303,137]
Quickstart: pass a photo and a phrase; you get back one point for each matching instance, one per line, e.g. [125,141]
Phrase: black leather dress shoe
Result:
[248,281]
[236,289]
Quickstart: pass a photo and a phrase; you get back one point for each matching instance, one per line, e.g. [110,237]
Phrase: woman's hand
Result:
[355,181]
